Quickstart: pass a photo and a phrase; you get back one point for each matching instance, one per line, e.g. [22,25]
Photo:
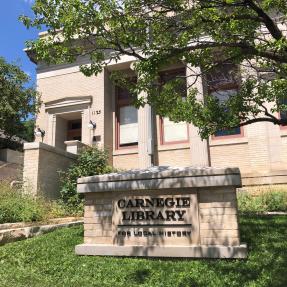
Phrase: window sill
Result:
[125,151]
[226,141]
[173,146]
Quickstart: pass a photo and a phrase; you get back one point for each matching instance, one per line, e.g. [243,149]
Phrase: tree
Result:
[17,101]
[27,130]
[247,35]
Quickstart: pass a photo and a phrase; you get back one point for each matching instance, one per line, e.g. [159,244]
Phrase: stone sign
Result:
[162,212]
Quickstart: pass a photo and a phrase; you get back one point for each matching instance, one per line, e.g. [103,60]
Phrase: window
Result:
[74,130]
[172,132]
[222,83]
[127,120]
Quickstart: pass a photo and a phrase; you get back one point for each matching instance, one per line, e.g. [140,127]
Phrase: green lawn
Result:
[49,260]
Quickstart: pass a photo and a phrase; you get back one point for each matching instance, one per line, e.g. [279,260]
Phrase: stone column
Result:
[145,142]
[145,133]
[87,134]
[51,133]
[199,148]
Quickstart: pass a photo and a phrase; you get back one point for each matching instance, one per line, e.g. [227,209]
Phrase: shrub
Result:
[17,206]
[266,200]
[91,161]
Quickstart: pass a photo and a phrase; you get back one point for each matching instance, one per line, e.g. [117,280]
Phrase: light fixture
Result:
[39,133]
[92,125]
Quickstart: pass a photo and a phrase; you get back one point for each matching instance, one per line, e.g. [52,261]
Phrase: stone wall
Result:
[11,156]
[218,216]
[41,165]
[217,213]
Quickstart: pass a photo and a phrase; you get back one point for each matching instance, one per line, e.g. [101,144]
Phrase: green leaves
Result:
[91,161]
[161,34]
[17,100]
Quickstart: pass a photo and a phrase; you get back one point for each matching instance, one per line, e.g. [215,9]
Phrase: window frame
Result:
[121,103]
[282,127]
[225,87]
[163,142]
[161,119]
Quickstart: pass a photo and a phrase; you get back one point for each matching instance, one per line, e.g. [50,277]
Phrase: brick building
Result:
[94,111]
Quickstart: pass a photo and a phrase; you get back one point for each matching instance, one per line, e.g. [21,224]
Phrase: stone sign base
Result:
[164,251]
[162,212]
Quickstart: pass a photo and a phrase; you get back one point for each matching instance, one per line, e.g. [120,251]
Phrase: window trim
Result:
[240,135]
[119,104]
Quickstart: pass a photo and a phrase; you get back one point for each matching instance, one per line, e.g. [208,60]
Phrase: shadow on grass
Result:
[140,276]
[266,264]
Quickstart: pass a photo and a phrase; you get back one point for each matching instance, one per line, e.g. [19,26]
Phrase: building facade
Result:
[93,110]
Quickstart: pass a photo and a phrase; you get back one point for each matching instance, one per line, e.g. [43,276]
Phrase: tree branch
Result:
[269,23]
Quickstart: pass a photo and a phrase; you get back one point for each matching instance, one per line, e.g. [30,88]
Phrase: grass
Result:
[49,260]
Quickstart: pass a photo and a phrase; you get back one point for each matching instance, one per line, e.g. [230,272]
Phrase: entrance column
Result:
[145,142]
[145,133]
[199,149]
[87,134]
[51,137]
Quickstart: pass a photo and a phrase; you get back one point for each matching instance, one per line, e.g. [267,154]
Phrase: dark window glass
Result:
[228,132]
[75,126]
[179,74]
[283,114]
[74,130]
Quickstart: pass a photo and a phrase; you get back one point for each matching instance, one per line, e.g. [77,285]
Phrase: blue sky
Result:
[14,34]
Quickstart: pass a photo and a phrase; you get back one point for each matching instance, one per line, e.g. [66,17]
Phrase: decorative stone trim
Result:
[70,101]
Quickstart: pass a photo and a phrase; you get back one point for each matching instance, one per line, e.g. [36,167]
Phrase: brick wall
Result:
[60,84]
[126,161]
[231,155]
[261,152]
[177,157]
[41,165]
